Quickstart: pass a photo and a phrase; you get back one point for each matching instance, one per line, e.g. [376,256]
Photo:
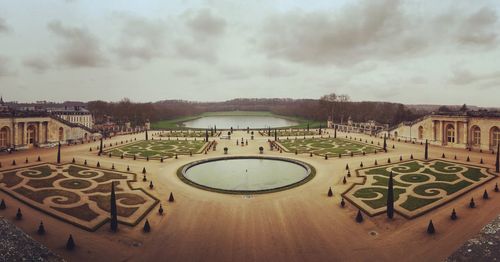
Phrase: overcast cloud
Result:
[412,51]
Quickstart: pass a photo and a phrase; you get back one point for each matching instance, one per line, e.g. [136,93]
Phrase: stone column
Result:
[25,133]
[466,134]
[13,135]
[441,130]
[433,130]
[457,141]
[39,135]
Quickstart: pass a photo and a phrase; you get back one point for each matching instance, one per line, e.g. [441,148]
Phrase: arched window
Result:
[450,133]
[495,136]
[476,135]
[420,132]
[61,134]
[4,137]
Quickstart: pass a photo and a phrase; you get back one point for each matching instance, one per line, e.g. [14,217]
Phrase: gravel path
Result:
[483,247]
[15,245]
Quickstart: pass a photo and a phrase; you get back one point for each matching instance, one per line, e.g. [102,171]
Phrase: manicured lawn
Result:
[158,148]
[419,185]
[330,146]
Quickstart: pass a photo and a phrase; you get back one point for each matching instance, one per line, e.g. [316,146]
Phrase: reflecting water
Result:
[246,174]
[239,122]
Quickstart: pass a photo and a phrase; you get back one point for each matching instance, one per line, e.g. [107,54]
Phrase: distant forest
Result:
[315,109]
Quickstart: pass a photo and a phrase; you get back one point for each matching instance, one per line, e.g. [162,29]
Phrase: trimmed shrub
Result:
[70,244]
[430,228]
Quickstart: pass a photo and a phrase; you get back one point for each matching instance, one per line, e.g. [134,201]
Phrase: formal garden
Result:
[188,133]
[156,149]
[418,186]
[292,132]
[328,145]
[78,194]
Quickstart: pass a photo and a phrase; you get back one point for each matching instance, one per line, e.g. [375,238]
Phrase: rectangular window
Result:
[451,136]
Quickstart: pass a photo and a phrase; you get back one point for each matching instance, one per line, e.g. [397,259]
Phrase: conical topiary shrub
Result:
[390,196]
[19,214]
[144,179]
[471,203]
[361,165]
[41,229]
[496,187]
[128,168]
[160,210]
[3,205]
[485,194]
[359,217]
[70,244]
[151,185]
[342,203]
[330,192]
[426,150]
[147,227]
[344,180]
[346,166]
[113,209]
[98,164]
[430,228]
[348,173]
[171,197]
[144,170]
[453,215]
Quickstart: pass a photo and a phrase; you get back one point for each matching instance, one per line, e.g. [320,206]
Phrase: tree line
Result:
[340,106]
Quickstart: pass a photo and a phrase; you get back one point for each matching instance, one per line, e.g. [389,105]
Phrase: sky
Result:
[413,52]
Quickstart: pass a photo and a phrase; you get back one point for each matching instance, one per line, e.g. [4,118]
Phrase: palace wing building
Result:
[40,128]
[476,130]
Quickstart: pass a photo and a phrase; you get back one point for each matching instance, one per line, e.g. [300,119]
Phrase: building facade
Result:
[25,129]
[479,130]
[76,114]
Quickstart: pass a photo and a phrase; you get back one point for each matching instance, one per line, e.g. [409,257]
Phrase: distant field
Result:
[176,122]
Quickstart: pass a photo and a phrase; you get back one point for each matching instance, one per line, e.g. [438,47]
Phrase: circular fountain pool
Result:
[243,175]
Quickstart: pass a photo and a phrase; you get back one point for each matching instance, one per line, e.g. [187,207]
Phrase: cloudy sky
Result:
[415,51]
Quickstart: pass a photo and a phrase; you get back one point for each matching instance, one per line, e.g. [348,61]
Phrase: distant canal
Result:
[239,122]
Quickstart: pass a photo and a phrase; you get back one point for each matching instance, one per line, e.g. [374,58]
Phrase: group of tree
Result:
[339,106]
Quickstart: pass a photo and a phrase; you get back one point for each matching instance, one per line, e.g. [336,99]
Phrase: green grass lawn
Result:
[423,183]
[176,123]
[158,148]
[185,133]
[330,146]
